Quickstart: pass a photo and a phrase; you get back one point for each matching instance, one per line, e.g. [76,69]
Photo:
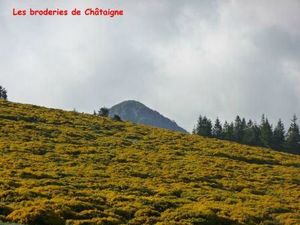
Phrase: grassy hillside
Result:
[60,167]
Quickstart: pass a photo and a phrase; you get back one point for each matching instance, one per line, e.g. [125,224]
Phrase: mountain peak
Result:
[137,112]
[132,103]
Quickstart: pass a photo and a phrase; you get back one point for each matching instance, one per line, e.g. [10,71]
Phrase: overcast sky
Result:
[180,57]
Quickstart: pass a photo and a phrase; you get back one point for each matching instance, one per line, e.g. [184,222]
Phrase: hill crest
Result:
[75,168]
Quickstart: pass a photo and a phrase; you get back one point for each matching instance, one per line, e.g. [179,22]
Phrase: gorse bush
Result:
[36,215]
[70,168]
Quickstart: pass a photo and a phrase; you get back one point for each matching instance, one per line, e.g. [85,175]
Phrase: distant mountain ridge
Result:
[137,112]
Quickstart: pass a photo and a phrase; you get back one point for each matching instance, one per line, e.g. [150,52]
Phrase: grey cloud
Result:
[183,58]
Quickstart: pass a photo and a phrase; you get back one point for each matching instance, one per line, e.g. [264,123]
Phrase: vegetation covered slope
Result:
[60,167]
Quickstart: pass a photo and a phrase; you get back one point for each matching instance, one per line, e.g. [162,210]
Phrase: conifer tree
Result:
[225,130]
[256,131]
[293,137]
[266,133]
[279,136]
[3,93]
[217,129]
[251,134]
[250,124]
[239,127]
[244,124]
[104,112]
[204,127]
[228,131]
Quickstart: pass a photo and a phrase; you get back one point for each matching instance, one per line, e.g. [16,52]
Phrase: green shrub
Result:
[35,215]
[5,210]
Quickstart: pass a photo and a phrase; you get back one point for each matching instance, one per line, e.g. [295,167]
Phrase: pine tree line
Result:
[251,133]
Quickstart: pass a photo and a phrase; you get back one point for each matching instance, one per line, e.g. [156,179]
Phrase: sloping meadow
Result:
[59,167]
